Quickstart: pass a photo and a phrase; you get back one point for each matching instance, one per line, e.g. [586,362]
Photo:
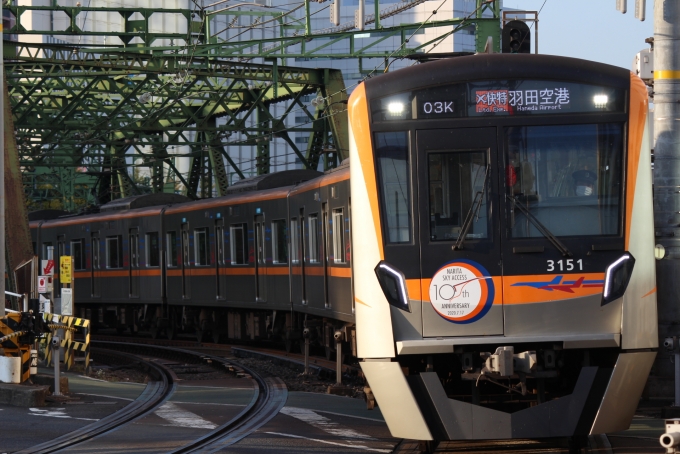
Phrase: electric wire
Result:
[246,142]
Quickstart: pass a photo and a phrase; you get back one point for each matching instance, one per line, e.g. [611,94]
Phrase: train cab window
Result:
[294,241]
[313,238]
[567,177]
[78,254]
[279,241]
[202,247]
[457,183]
[153,250]
[114,252]
[339,237]
[238,243]
[171,241]
[394,187]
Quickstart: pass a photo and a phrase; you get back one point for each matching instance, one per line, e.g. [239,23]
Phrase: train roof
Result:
[143,201]
[273,180]
[489,66]
[46,215]
[262,187]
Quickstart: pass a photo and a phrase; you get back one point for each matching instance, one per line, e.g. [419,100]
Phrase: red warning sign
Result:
[47,267]
[42,284]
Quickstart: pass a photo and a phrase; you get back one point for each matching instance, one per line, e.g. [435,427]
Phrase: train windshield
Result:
[393,185]
[568,177]
[458,199]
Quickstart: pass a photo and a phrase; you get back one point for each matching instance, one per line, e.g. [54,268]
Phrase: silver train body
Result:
[503,246]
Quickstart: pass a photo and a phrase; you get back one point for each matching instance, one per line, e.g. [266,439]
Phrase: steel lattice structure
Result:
[85,116]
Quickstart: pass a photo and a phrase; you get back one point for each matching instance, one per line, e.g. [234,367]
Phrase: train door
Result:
[303,254]
[459,234]
[325,252]
[260,259]
[220,270]
[186,262]
[133,254]
[96,265]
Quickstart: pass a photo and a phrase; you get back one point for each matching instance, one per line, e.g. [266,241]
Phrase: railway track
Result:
[226,349]
[270,396]
[153,396]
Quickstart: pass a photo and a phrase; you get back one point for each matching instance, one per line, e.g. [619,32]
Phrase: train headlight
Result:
[617,277]
[393,284]
[600,101]
[395,108]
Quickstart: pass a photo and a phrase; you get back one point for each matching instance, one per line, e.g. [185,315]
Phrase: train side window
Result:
[114,252]
[238,244]
[394,187]
[171,239]
[294,241]
[339,237]
[219,245]
[96,264]
[313,238]
[78,253]
[202,248]
[134,248]
[279,241]
[153,250]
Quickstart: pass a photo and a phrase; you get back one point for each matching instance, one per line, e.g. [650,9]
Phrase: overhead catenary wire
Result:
[191,48]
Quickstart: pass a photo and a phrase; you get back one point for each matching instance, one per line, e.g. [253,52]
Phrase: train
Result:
[504,278]
[268,260]
[486,252]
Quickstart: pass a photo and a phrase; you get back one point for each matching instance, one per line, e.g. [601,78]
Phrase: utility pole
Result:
[667,170]
[3,254]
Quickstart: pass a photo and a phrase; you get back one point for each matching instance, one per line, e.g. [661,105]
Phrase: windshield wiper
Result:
[540,227]
[472,213]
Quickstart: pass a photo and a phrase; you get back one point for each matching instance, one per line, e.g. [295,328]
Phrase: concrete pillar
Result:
[667,178]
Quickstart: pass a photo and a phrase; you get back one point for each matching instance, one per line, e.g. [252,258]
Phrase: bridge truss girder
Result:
[97,116]
[88,118]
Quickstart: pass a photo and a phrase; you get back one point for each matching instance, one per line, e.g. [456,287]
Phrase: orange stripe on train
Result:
[551,287]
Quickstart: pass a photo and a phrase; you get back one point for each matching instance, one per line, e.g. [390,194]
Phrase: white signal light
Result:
[600,101]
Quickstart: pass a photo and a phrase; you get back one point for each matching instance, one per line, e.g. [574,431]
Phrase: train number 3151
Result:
[565,265]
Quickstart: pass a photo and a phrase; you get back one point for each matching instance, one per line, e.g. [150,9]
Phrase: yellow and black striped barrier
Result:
[69,324]
[10,330]
[12,336]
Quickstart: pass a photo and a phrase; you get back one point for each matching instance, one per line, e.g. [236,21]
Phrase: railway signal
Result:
[516,38]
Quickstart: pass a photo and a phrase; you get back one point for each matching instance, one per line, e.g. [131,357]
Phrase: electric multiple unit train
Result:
[504,278]
[499,281]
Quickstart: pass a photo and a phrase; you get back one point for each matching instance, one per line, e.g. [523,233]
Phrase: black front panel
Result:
[459,236]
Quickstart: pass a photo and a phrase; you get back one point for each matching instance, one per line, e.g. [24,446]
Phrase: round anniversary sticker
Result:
[462,291]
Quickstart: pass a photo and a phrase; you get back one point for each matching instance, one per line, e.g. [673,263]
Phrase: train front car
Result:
[503,242]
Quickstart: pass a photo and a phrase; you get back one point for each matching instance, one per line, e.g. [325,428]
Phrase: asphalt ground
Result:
[309,423]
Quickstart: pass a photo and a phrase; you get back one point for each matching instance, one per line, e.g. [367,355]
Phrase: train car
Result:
[504,279]
[269,259]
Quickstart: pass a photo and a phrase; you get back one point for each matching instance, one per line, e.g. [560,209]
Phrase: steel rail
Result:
[154,395]
[270,396]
